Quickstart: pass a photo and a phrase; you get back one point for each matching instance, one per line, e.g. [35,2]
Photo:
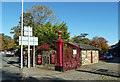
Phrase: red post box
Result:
[52,58]
[39,58]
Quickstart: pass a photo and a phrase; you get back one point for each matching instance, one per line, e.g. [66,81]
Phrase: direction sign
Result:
[26,43]
[32,39]
[27,28]
[26,33]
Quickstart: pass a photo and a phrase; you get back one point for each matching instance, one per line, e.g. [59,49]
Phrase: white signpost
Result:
[27,39]
[27,30]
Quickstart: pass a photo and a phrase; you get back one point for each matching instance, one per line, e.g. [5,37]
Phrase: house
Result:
[88,54]
[115,50]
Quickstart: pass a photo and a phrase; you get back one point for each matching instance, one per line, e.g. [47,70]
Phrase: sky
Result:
[95,18]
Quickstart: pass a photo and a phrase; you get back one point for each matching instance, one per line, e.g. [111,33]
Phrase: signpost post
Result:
[27,39]
[34,53]
[28,47]
[21,39]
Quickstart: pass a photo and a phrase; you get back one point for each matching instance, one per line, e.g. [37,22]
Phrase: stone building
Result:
[88,54]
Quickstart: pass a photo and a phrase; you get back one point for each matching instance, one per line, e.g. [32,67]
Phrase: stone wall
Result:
[86,56]
[46,56]
[96,58]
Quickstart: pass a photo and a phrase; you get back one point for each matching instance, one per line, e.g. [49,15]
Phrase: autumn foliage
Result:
[101,43]
[70,62]
[45,47]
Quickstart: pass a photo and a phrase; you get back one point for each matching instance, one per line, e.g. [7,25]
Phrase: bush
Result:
[67,54]
[45,47]
[70,62]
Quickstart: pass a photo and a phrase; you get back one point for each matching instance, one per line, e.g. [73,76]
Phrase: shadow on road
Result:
[12,63]
[51,79]
[16,77]
[11,76]
[100,72]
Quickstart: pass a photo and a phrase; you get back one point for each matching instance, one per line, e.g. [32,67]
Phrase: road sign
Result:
[27,28]
[28,40]
[32,39]
[26,43]
[26,33]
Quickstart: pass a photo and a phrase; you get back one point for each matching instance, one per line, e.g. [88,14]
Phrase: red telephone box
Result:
[52,58]
[39,58]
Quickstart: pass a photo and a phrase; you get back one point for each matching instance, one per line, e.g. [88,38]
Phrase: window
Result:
[74,52]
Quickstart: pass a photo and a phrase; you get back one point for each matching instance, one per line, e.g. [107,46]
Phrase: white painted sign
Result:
[74,51]
[27,28]
[32,39]
[26,33]
[26,43]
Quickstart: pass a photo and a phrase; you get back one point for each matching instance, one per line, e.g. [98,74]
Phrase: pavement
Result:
[104,70]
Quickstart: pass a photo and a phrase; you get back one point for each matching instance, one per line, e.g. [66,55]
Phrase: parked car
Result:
[102,57]
[8,52]
[2,52]
[110,56]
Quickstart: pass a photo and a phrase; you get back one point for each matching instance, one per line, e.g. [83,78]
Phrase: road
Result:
[10,71]
[104,70]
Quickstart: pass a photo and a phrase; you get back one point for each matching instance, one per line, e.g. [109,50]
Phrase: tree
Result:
[42,19]
[7,42]
[83,35]
[38,14]
[81,39]
[48,33]
[100,43]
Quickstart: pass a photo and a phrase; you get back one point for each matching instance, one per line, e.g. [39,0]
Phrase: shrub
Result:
[45,47]
[67,54]
[70,62]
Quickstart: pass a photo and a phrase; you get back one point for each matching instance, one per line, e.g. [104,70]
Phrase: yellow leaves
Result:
[100,42]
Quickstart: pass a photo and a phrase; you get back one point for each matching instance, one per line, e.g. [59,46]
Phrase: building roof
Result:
[85,46]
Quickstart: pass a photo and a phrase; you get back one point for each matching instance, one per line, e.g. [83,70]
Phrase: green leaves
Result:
[43,21]
[48,33]
[81,39]
[7,42]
